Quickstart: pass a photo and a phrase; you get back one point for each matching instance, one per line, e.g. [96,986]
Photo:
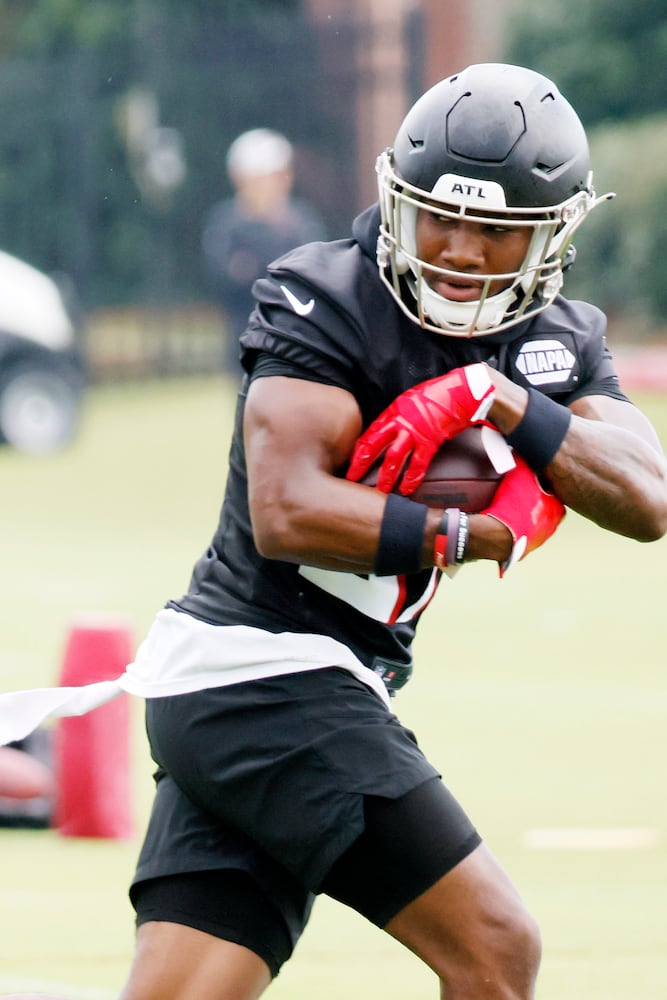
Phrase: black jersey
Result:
[323,314]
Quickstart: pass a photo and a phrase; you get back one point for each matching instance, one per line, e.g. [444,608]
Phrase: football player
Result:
[282,771]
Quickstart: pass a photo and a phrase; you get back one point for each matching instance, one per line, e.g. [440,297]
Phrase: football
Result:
[464,473]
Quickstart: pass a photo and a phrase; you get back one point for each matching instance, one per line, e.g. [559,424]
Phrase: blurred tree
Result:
[611,57]
[610,60]
[52,27]
[620,264]
[69,196]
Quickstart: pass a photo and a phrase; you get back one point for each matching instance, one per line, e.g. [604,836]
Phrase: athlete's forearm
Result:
[608,466]
[613,477]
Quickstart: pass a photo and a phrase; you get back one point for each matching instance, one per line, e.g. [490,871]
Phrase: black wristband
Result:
[401,537]
[540,432]
[440,542]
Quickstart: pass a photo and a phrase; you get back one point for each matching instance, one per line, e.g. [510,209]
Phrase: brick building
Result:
[383,53]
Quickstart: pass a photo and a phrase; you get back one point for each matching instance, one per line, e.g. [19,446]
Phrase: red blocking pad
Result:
[92,752]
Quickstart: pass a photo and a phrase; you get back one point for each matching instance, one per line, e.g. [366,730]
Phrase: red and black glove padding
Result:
[531,514]
[418,422]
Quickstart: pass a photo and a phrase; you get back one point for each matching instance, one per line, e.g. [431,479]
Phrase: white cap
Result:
[260,151]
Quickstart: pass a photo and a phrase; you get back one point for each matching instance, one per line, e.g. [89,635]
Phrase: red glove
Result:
[419,421]
[530,513]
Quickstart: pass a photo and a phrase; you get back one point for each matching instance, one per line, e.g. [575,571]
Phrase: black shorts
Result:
[305,783]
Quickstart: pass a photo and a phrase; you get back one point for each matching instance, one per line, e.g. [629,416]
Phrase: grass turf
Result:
[542,698]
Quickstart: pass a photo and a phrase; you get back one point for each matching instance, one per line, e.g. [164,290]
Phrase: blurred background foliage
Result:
[609,58]
[116,116]
[78,192]
[610,61]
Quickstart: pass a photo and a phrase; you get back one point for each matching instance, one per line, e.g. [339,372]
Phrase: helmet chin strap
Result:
[463,316]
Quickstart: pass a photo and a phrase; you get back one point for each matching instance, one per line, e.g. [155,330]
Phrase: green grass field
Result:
[542,697]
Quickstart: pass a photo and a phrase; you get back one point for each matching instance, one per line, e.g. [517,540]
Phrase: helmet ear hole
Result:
[570,257]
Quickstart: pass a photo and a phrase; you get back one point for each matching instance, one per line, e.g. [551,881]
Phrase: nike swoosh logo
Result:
[299,307]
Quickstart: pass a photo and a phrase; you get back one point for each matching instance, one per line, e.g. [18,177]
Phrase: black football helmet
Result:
[496,142]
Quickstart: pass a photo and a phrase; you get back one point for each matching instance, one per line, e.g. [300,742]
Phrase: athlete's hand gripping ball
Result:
[531,514]
[418,422]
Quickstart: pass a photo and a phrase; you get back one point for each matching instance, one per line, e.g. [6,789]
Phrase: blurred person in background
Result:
[261,221]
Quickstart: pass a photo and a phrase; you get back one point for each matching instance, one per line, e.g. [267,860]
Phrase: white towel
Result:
[181,654]
[23,711]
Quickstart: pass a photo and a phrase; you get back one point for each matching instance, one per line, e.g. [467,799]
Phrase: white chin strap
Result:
[464,316]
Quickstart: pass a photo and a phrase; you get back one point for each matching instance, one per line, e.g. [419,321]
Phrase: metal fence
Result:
[76,198]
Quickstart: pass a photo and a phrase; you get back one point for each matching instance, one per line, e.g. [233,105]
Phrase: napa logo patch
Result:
[546,362]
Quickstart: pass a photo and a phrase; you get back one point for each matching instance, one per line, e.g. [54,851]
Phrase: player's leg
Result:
[213,935]
[375,827]
[420,871]
[473,931]
[175,962]
[209,935]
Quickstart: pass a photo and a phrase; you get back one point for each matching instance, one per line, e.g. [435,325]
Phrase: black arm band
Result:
[401,537]
[541,430]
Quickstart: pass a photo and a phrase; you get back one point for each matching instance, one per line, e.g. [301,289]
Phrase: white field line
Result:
[591,838]
[16,984]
